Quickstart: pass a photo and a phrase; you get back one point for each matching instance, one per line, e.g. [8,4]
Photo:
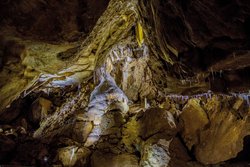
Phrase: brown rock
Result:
[194,119]
[100,159]
[238,104]
[73,155]
[130,134]
[10,114]
[156,154]
[81,130]
[223,139]
[7,145]
[156,120]
[113,141]
[178,153]
[39,109]
[109,124]
[232,63]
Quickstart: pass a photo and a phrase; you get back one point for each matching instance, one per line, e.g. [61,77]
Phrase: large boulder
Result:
[224,138]
[194,119]
[99,159]
[157,120]
[73,155]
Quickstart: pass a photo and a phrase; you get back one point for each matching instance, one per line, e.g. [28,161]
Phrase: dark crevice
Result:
[190,152]
[243,156]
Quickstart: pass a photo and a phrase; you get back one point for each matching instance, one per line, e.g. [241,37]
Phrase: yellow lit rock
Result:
[194,119]
[223,139]
[73,155]
[139,34]
[130,134]
[239,102]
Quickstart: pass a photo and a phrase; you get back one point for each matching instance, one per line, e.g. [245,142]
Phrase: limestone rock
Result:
[161,147]
[223,139]
[99,159]
[106,96]
[163,150]
[73,155]
[157,120]
[130,134]
[184,48]
[40,109]
[178,153]
[109,124]
[131,71]
[81,130]
[194,120]
[230,63]
[156,155]
[239,102]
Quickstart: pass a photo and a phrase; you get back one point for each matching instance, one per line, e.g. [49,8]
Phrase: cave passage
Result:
[128,83]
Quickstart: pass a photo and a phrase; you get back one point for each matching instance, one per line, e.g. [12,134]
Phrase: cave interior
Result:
[108,83]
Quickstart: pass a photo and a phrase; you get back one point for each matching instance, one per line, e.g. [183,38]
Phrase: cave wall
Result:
[51,20]
[210,37]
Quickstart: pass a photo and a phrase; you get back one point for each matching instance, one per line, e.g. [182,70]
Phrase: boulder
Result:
[224,138]
[157,120]
[194,119]
[100,159]
[73,155]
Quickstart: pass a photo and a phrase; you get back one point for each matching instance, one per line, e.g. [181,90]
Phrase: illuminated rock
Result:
[73,155]
[194,120]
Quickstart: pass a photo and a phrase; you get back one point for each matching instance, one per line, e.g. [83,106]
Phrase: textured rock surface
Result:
[217,131]
[52,20]
[198,31]
[73,156]
[194,121]
[155,121]
[99,159]
[225,137]
[149,83]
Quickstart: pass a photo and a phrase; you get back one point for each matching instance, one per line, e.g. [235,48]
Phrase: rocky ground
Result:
[180,131]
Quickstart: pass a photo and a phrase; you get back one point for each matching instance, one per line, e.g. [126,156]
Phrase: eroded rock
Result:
[214,129]
[194,120]
[105,97]
[99,159]
[73,156]
[157,120]
[156,154]
[40,109]
[130,134]
[148,66]
[224,137]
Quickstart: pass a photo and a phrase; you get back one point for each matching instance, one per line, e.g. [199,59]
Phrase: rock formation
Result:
[124,83]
